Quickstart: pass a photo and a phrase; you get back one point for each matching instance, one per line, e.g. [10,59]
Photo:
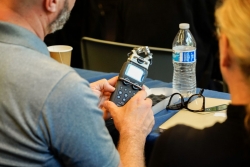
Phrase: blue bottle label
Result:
[185,56]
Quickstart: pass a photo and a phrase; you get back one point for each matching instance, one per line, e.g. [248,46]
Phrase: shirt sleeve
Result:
[74,128]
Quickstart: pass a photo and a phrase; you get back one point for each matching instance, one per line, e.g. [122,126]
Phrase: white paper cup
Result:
[61,53]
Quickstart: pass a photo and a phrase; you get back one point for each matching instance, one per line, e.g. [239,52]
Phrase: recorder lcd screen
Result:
[134,72]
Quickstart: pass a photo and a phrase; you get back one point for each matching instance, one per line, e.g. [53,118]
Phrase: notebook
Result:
[199,120]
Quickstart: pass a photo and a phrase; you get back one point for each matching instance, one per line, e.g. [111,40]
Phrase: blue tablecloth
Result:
[163,115]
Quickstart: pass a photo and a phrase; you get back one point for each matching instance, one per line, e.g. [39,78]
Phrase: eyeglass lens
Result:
[195,102]
[175,102]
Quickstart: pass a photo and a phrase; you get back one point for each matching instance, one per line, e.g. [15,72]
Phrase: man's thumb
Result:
[109,106]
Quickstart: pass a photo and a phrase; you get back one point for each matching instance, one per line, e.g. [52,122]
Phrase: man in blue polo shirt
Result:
[49,114]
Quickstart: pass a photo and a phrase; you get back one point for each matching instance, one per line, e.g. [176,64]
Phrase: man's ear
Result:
[225,59]
[51,5]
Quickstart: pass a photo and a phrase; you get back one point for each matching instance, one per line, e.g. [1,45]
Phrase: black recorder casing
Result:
[132,76]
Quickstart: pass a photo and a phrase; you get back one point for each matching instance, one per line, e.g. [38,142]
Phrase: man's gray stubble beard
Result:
[61,19]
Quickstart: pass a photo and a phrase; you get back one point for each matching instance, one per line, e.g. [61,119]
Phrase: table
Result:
[163,115]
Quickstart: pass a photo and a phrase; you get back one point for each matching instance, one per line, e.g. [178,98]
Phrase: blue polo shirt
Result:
[48,114]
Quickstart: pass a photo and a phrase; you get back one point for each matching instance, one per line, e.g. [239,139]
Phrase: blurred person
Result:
[156,23]
[227,143]
[50,116]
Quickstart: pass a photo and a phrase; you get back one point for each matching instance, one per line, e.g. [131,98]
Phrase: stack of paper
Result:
[198,120]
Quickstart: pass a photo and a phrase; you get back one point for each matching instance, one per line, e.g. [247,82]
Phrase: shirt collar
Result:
[16,35]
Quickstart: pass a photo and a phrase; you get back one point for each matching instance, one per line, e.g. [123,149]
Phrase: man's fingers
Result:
[110,106]
[108,87]
[149,101]
[113,80]
[142,94]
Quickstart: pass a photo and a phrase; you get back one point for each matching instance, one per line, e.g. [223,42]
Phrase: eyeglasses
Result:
[197,105]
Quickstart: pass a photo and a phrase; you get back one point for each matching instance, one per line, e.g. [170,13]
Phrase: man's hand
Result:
[134,121]
[103,89]
[135,117]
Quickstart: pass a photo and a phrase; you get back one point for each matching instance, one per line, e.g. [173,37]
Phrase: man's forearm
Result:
[131,150]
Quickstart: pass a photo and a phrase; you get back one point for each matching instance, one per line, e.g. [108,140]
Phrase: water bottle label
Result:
[185,57]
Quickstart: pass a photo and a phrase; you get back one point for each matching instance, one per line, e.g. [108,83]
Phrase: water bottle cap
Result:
[184,26]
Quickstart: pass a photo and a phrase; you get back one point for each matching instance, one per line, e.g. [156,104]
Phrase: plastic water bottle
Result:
[184,61]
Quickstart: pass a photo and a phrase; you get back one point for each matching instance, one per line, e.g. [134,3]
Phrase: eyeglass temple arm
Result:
[217,108]
[201,91]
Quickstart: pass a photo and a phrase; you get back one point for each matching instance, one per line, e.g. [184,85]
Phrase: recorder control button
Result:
[134,87]
[126,83]
[120,103]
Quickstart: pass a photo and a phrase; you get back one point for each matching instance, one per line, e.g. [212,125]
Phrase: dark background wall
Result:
[92,18]
[110,20]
